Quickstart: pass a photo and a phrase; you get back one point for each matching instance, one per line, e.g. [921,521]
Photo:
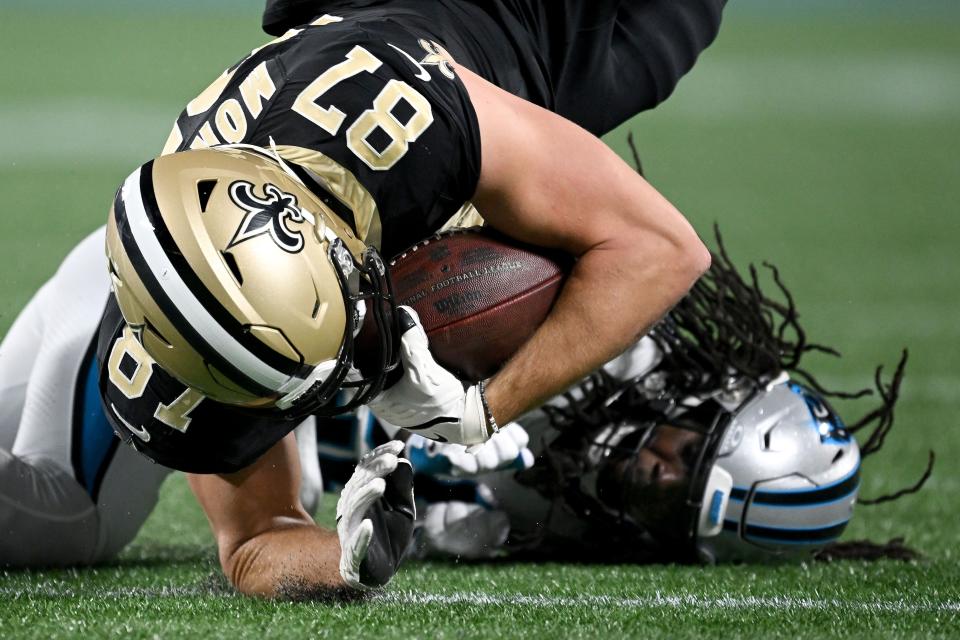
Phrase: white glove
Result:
[506,449]
[428,399]
[375,517]
[462,529]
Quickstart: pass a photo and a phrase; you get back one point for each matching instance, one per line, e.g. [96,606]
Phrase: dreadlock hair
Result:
[724,331]
[727,328]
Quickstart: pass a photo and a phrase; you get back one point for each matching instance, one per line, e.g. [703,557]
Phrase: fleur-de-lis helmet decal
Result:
[267,215]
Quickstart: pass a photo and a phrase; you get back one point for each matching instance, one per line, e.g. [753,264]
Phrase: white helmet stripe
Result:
[185,301]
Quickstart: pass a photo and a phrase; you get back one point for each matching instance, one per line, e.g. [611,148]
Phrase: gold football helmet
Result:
[243,284]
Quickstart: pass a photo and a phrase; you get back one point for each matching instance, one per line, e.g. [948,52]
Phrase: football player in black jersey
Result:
[245,260]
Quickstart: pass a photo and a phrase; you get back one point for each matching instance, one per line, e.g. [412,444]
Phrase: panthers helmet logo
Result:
[267,215]
[828,424]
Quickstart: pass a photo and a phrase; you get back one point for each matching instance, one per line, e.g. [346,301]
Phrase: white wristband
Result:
[492,426]
[474,428]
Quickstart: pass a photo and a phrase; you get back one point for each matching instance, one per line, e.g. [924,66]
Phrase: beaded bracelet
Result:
[491,421]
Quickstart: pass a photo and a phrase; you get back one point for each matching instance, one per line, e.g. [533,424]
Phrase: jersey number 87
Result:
[330,119]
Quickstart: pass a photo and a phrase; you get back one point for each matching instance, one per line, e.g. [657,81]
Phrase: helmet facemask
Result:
[636,461]
[367,291]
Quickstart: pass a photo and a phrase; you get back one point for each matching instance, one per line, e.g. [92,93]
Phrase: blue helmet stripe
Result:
[809,505]
[816,535]
[803,497]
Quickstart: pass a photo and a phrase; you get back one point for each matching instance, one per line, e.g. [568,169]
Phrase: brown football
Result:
[479,294]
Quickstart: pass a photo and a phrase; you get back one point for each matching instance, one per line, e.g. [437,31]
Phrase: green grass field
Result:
[825,141]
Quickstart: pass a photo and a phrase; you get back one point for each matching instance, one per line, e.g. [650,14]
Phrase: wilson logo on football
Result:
[268,214]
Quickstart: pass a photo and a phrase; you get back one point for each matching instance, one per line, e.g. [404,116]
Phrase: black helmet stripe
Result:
[814,536]
[170,310]
[795,498]
[215,334]
[223,317]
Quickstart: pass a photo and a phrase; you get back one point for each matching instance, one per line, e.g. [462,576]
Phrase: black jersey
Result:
[369,106]
[567,56]
[167,421]
[483,35]
[359,96]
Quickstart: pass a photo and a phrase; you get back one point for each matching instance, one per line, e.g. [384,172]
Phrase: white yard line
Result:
[484,599]
[662,601]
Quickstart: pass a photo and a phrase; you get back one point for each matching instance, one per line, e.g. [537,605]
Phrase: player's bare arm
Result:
[264,536]
[546,181]
[268,544]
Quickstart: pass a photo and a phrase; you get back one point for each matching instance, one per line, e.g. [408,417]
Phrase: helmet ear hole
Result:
[231,262]
[766,439]
[204,191]
[154,333]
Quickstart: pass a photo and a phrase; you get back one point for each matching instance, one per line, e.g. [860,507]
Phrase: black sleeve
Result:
[280,15]
[217,438]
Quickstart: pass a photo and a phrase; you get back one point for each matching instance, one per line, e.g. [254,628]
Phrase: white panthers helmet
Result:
[755,471]
[784,480]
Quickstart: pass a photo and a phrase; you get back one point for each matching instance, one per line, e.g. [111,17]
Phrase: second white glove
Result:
[375,517]
[506,449]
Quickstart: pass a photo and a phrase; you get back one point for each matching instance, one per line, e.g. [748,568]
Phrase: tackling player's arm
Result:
[546,181]
[269,546]
[266,540]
